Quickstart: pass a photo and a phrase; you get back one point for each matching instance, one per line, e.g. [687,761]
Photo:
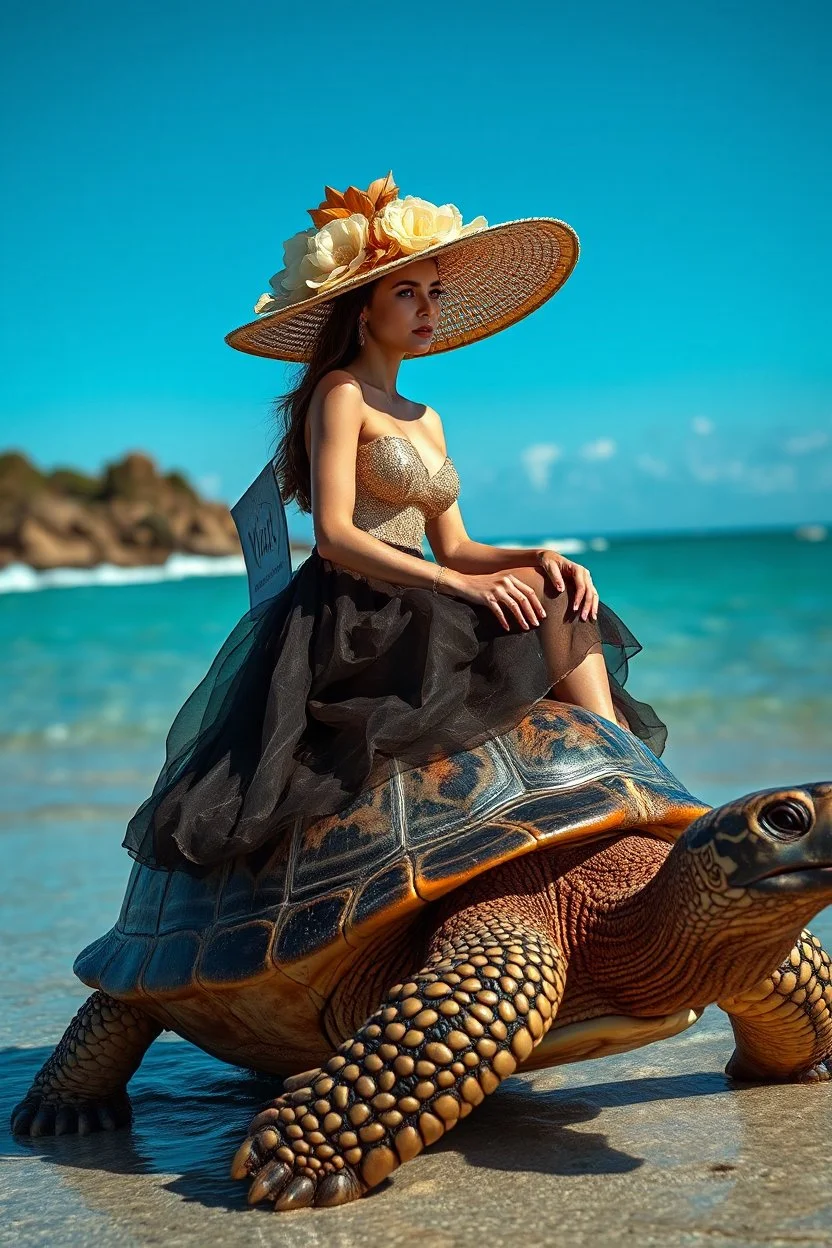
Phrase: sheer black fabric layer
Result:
[325,689]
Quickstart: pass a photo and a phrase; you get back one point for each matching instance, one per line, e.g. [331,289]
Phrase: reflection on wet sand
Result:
[656,1143]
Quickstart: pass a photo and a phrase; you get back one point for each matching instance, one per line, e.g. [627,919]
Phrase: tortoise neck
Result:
[678,937]
[644,942]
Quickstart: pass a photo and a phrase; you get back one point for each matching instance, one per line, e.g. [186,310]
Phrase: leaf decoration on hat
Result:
[338,204]
[382,190]
[356,232]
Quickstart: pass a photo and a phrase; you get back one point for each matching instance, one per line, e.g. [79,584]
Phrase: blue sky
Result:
[159,155]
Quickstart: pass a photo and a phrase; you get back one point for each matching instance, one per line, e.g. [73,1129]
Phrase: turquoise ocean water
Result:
[737,659]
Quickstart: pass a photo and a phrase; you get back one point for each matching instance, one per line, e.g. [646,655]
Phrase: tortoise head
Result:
[745,878]
[775,844]
[728,903]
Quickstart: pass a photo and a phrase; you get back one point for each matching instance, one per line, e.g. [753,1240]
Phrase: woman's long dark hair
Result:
[336,345]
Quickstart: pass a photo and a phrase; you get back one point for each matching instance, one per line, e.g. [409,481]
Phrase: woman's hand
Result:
[557,566]
[498,590]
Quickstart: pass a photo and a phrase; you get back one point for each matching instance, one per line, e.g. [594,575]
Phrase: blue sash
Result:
[260,518]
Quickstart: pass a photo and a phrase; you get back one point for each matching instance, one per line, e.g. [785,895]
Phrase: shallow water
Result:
[737,659]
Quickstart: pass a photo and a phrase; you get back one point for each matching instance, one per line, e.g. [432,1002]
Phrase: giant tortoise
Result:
[552,895]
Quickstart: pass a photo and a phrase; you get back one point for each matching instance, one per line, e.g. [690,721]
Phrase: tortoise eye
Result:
[786,819]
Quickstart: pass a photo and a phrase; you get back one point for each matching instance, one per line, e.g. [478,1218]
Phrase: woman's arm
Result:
[452,546]
[334,429]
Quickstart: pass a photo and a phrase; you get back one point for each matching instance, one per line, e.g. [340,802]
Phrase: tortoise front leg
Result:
[783,1026]
[432,1051]
[83,1084]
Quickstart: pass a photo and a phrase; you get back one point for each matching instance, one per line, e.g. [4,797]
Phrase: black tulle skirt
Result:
[323,690]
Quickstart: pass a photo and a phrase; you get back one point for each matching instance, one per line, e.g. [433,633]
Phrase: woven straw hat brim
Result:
[491,278]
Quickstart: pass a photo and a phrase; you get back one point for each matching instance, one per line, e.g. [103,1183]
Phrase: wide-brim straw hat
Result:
[492,275]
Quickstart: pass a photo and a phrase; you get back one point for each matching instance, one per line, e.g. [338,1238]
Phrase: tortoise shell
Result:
[561,775]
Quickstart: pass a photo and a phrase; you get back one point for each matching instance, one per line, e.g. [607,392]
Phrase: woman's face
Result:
[402,302]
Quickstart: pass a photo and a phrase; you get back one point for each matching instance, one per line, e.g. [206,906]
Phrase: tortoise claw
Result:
[36,1117]
[298,1195]
[66,1121]
[821,1072]
[108,1118]
[337,1189]
[269,1183]
[244,1158]
[88,1122]
[279,1174]
[43,1122]
[22,1118]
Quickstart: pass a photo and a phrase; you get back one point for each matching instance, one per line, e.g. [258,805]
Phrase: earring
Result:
[361,334]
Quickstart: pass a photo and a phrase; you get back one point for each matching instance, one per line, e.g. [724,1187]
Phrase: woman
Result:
[372,658]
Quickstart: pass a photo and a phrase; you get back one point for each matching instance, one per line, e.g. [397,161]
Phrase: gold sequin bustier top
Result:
[394,494]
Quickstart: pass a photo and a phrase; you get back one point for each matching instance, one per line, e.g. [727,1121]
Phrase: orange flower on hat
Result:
[356,232]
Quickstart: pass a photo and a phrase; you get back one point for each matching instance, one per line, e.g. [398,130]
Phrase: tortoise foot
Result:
[81,1088]
[741,1070]
[821,1072]
[783,1024]
[39,1115]
[290,1164]
[432,1052]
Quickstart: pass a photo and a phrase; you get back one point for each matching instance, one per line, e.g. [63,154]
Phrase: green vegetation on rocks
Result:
[130,515]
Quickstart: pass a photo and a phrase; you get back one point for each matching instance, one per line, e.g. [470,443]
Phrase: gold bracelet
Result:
[442,569]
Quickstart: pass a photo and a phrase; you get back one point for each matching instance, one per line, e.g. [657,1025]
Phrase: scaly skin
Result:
[432,1052]
[783,1026]
[83,1085]
[643,931]
[654,936]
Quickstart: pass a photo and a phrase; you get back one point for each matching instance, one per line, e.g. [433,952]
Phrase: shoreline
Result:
[21,577]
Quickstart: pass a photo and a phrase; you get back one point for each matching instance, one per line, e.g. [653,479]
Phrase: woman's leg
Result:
[564,634]
[587,685]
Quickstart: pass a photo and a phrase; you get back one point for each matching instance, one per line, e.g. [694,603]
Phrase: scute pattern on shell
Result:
[561,775]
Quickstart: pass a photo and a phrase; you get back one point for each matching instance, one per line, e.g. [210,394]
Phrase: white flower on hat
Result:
[416,223]
[294,250]
[318,259]
[358,231]
[334,253]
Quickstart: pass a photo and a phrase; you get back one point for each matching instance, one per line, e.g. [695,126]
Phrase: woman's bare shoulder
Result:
[346,405]
[333,380]
[344,388]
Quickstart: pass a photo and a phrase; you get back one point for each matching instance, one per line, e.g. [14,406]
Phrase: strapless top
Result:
[394,494]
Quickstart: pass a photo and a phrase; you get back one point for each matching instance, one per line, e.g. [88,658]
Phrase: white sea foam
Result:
[20,578]
[812,533]
[565,545]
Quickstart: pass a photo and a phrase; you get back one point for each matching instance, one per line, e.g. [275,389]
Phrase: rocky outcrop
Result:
[132,515]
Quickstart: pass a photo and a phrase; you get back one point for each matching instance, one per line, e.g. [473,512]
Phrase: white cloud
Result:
[751,478]
[802,443]
[702,425]
[771,478]
[717,470]
[652,466]
[537,459]
[601,448]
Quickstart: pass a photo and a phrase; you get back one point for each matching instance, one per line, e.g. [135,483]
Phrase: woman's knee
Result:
[555,601]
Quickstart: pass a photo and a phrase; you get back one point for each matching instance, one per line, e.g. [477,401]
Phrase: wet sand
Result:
[650,1147]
